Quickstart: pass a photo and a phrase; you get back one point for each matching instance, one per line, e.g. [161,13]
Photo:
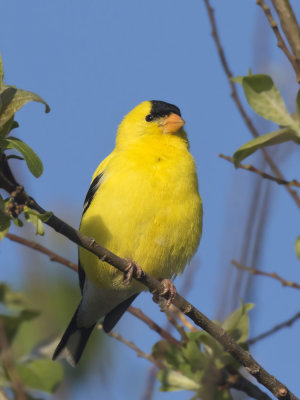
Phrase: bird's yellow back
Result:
[147,207]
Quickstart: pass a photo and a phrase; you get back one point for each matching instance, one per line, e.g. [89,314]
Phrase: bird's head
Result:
[151,118]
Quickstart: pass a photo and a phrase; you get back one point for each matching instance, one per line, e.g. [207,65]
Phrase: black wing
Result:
[87,202]
[92,191]
[114,315]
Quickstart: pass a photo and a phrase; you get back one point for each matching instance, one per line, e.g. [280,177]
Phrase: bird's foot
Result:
[132,268]
[167,294]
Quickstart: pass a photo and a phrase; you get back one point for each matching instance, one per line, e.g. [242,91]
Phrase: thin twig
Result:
[159,364]
[154,326]
[249,167]
[275,329]
[36,246]
[280,41]
[291,29]
[273,275]
[150,383]
[8,364]
[183,319]
[180,329]
[236,99]
[155,287]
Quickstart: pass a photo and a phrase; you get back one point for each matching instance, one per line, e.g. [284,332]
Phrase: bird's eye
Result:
[149,117]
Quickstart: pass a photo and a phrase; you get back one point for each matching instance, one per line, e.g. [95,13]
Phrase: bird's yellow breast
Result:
[147,208]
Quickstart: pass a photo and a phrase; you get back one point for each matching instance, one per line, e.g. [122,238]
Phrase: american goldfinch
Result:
[143,204]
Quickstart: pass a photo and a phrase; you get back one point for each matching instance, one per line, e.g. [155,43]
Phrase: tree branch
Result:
[280,41]
[264,175]
[36,246]
[159,364]
[152,325]
[275,329]
[290,27]
[183,319]
[155,287]
[234,94]
[239,382]
[273,275]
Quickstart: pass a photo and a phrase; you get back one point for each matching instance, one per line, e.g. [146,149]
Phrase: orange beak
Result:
[172,123]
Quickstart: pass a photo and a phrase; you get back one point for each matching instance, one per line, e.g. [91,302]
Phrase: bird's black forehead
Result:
[161,109]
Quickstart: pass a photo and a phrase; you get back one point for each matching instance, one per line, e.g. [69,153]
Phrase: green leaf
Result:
[172,380]
[33,162]
[237,79]
[4,222]
[14,309]
[211,346]
[3,233]
[33,217]
[41,374]
[171,355]
[36,219]
[237,323]
[265,99]
[193,355]
[13,99]
[2,203]
[297,247]
[7,127]
[4,219]
[17,222]
[268,139]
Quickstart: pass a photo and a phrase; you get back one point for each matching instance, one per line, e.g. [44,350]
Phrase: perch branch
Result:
[36,246]
[155,287]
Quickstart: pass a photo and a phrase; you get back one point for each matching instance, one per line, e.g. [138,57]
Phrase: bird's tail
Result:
[73,341]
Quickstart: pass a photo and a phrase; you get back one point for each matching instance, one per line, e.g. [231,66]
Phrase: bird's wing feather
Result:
[91,192]
[113,317]
[95,185]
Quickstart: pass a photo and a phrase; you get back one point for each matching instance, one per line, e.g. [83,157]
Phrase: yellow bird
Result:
[143,204]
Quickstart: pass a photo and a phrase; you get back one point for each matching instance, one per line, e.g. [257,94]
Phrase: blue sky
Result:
[93,62]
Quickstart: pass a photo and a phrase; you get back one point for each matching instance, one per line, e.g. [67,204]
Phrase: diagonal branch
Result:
[234,94]
[239,382]
[280,41]
[275,329]
[159,364]
[36,246]
[152,325]
[264,175]
[155,287]
[291,29]
[273,275]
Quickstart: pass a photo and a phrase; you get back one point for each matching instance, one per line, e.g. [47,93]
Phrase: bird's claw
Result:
[131,268]
[168,294]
